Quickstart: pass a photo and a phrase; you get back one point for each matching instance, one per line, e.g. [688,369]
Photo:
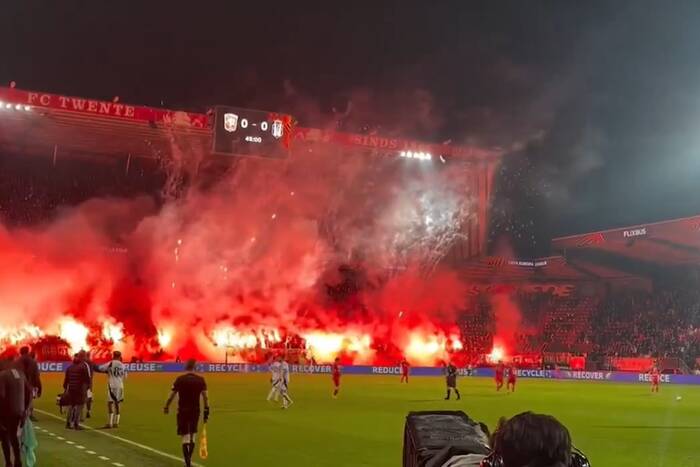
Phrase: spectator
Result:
[28,366]
[15,397]
[75,385]
[531,440]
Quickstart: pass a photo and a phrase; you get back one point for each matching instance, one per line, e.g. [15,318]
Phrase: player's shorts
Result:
[187,422]
[499,379]
[451,381]
[511,380]
[336,380]
[115,395]
[655,381]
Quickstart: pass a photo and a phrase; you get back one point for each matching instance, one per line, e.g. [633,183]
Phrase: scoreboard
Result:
[246,132]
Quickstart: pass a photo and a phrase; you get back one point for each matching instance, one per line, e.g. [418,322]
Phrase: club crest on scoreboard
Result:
[230,122]
[277,129]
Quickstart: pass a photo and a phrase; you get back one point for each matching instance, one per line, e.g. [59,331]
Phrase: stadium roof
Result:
[635,250]
[37,122]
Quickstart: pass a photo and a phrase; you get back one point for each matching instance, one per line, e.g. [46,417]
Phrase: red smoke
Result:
[508,323]
[248,262]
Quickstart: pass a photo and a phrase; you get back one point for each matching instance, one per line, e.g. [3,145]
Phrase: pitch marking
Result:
[123,440]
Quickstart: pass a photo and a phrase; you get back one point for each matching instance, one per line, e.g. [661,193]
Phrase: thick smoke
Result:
[250,260]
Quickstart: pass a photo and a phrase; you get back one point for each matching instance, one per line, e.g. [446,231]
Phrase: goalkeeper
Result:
[188,388]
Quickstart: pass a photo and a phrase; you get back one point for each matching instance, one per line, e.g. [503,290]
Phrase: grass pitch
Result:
[617,425]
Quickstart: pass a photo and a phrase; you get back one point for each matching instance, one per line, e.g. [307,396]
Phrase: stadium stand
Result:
[627,292]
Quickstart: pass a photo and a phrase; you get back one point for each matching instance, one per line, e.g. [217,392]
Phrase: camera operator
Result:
[530,440]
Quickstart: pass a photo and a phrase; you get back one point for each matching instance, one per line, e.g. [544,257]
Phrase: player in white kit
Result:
[116,372]
[284,384]
[275,380]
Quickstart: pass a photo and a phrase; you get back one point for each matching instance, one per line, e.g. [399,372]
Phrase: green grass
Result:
[616,425]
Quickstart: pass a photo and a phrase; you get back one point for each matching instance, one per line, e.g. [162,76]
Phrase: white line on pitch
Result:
[123,440]
[100,457]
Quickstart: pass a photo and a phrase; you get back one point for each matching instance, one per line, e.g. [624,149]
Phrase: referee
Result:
[188,387]
[451,380]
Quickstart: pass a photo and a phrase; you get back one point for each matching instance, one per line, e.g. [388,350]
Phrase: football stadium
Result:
[548,320]
[350,281]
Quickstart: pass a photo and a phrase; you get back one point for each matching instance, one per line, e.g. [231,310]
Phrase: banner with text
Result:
[615,376]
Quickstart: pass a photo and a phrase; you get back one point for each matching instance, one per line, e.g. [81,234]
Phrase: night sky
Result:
[597,104]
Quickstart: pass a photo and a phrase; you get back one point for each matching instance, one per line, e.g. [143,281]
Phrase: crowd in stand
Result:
[32,188]
[658,323]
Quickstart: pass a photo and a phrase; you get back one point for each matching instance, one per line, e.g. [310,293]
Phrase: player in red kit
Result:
[512,378]
[655,379]
[336,378]
[404,370]
[500,370]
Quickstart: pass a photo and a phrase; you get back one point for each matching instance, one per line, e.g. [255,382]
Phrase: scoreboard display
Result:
[245,132]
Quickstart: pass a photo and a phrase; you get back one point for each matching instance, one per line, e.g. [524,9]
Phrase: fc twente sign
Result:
[77,104]
[102,108]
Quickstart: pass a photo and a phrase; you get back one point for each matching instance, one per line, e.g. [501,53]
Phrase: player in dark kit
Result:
[188,388]
[451,377]
[404,370]
[336,377]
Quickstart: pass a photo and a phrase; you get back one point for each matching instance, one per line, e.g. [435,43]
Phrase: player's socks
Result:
[447,397]
[111,420]
[458,396]
[186,454]
[116,419]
